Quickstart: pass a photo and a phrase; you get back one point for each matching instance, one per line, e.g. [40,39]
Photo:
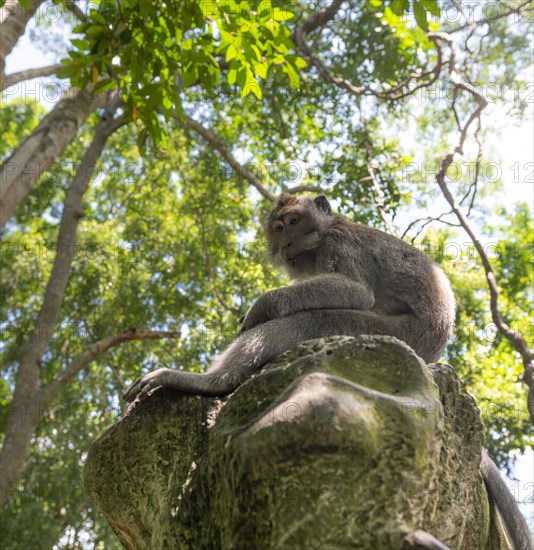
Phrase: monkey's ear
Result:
[322,204]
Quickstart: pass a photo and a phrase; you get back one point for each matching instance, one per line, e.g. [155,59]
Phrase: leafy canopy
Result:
[152,52]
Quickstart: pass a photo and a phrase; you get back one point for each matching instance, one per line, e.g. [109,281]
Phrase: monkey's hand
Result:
[147,384]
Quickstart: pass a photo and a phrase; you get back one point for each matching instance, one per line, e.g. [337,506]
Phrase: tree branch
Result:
[321,18]
[28,74]
[37,153]
[473,187]
[515,338]
[72,7]
[52,390]
[13,20]
[220,146]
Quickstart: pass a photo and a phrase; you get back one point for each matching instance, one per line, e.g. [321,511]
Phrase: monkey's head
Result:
[294,232]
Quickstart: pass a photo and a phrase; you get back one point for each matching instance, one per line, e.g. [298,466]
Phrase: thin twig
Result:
[426,221]
[379,196]
[455,111]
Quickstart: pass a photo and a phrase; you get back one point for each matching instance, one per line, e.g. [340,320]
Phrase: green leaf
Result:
[190,75]
[420,15]
[226,37]
[294,77]
[95,30]
[256,51]
[232,76]
[264,10]
[297,61]
[80,44]
[103,46]
[282,15]
[242,77]
[141,140]
[98,18]
[167,102]
[68,71]
[104,86]
[251,87]
[399,6]
[432,7]
[256,90]
[261,70]
[282,48]
[231,52]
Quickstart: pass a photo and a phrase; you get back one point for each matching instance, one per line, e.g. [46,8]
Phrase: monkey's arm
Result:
[326,291]
[252,349]
[245,356]
[190,382]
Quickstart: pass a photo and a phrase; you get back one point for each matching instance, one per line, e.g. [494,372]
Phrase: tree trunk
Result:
[28,404]
[13,20]
[20,172]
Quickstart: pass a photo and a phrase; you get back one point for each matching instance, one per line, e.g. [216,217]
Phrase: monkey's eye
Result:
[277,227]
[294,220]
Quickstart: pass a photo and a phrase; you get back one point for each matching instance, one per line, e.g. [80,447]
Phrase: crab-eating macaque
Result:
[349,280]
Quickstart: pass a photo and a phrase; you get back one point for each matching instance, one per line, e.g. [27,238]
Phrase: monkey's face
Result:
[293,234]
